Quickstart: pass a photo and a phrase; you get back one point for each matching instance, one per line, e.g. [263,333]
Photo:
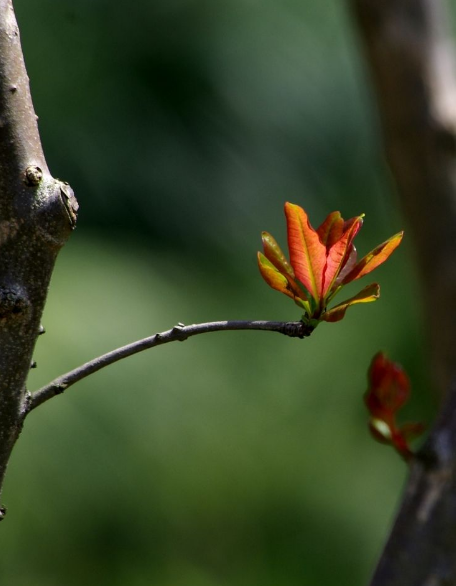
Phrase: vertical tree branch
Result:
[410,57]
[411,60]
[421,550]
[37,214]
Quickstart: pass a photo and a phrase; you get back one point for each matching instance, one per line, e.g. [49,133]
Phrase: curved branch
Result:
[178,333]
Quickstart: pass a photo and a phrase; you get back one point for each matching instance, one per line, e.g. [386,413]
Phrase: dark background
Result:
[233,459]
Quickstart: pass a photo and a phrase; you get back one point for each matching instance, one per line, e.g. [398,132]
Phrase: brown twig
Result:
[177,333]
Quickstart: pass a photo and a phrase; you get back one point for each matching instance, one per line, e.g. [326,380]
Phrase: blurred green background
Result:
[234,459]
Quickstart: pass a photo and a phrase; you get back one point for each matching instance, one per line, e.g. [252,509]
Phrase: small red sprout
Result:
[322,261]
[389,391]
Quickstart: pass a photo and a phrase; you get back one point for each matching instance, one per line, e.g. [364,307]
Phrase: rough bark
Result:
[37,214]
[411,61]
[410,58]
[421,550]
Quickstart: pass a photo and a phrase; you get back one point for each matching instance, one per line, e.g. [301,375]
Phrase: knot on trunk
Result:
[14,303]
[56,210]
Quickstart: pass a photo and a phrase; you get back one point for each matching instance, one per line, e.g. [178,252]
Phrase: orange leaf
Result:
[331,229]
[307,252]
[368,294]
[375,258]
[338,254]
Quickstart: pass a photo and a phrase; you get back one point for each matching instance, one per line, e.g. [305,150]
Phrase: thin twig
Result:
[177,333]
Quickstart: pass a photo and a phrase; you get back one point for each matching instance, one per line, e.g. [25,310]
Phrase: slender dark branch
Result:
[178,333]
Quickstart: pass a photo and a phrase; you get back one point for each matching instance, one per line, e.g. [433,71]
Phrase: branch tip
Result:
[297,330]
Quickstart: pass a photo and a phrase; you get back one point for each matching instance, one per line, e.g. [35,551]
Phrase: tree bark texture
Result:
[37,214]
[411,61]
[410,57]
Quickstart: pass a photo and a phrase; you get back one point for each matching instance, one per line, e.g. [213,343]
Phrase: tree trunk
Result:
[37,214]
[410,58]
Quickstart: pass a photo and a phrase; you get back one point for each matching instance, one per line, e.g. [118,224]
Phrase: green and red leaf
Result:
[375,258]
[321,262]
[367,295]
[273,276]
[283,283]
[273,253]
[307,252]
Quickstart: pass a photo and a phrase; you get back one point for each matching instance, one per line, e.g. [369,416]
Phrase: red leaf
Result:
[331,229]
[388,383]
[338,254]
[389,390]
[307,252]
